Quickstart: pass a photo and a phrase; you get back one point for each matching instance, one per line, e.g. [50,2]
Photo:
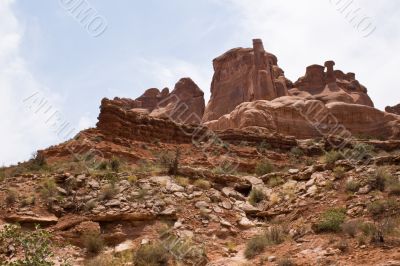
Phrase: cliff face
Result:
[185,104]
[244,75]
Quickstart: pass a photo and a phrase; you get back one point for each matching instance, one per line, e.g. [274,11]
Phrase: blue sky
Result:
[154,43]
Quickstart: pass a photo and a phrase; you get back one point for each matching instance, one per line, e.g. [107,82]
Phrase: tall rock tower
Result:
[244,75]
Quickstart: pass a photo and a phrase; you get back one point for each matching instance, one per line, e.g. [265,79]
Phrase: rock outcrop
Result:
[310,118]
[330,86]
[185,104]
[244,75]
[393,109]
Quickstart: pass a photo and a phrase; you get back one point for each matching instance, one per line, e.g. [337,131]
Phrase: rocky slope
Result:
[270,173]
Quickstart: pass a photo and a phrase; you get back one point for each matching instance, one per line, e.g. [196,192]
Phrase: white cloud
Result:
[302,33]
[22,131]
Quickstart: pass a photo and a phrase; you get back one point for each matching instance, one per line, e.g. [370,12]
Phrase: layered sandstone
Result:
[310,118]
[393,109]
[185,104]
[244,75]
[330,86]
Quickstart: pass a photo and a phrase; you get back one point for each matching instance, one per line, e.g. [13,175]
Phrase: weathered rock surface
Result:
[330,86]
[310,118]
[393,109]
[244,75]
[185,104]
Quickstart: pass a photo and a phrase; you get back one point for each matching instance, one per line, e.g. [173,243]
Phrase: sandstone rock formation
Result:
[185,104]
[244,75]
[394,109]
[310,118]
[330,86]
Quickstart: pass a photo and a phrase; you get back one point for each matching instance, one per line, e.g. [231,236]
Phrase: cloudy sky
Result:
[56,64]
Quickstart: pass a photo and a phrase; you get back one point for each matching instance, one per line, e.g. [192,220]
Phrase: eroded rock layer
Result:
[185,104]
[310,118]
[393,109]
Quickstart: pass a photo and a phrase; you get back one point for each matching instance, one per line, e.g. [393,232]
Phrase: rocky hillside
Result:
[269,173]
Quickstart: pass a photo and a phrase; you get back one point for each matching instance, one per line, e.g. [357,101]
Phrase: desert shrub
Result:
[2,174]
[33,248]
[296,152]
[11,197]
[93,243]
[264,167]
[392,184]
[170,161]
[202,183]
[331,221]
[132,179]
[257,244]
[111,260]
[377,207]
[103,166]
[342,245]
[275,235]
[151,255]
[362,151]
[108,192]
[350,228]
[378,179]
[28,201]
[256,196]
[224,168]
[332,156]
[115,164]
[182,181]
[111,177]
[263,146]
[352,186]
[48,188]
[37,162]
[285,262]
[339,172]
[275,181]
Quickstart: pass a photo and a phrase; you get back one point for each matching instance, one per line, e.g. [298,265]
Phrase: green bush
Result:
[33,248]
[352,186]
[332,156]
[48,188]
[339,172]
[202,183]
[377,180]
[331,221]
[264,167]
[257,244]
[362,151]
[151,255]
[93,243]
[377,207]
[256,196]
[11,197]
[296,152]
[115,164]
